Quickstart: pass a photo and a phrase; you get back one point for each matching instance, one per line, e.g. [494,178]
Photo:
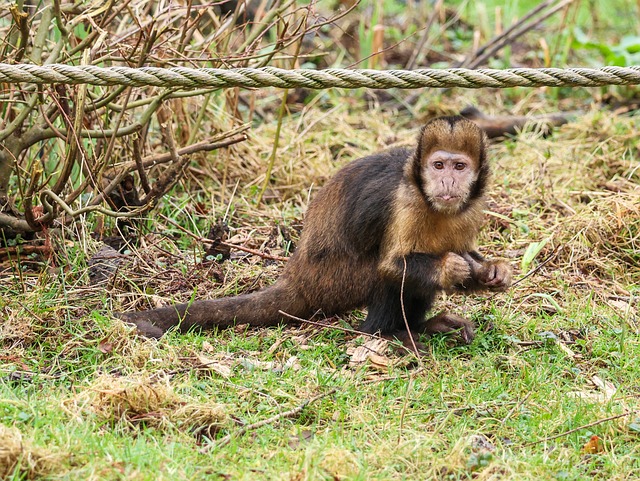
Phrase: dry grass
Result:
[142,400]
[18,458]
[580,189]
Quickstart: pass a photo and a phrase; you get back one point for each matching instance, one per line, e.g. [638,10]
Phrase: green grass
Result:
[407,427]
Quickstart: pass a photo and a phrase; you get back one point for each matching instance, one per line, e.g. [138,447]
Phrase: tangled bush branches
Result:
[66,151]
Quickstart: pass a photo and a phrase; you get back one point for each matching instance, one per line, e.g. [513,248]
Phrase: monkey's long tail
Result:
[259,308]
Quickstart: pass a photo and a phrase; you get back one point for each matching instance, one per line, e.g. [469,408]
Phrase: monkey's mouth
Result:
[448,199]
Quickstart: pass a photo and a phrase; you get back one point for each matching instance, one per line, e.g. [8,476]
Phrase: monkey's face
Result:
[448,180]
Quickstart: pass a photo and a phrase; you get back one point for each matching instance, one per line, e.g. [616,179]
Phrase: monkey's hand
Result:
[454,271]
[494,274]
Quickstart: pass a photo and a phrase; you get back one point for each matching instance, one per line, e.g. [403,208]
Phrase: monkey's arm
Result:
[427,272]
[493,274]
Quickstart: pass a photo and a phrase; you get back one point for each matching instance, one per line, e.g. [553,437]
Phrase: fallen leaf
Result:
[380,361]
[214,365]
[105,346]
[372,350]
[593,446]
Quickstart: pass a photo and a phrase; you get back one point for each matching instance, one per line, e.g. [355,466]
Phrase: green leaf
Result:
[631,44]
[531,253]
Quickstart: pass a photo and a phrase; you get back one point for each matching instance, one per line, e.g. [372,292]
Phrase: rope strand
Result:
[318,79]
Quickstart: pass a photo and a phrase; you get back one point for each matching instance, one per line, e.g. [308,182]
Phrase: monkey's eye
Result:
[460,166]
[438,165]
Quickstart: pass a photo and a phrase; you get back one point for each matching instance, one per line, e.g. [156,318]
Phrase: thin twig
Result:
[21,250]
[549,258]
[404,314]
[584,426]
[329,326]
[90,208]
[137,156]
[395,343]
[273,419]
[413,343]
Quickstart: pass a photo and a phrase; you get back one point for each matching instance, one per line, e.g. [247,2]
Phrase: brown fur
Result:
[414,224]
[460,137]
[369,233]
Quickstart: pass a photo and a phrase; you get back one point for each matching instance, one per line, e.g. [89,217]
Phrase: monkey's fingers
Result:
[454,271]
[490,275]
[445,323]
[502,278]
[476,266]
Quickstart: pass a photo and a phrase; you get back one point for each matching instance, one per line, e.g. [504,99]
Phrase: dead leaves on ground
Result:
[374,352]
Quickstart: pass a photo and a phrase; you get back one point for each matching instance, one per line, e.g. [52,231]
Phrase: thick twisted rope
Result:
[318,79]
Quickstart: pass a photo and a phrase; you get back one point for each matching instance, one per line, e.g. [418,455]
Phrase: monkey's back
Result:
[335,265]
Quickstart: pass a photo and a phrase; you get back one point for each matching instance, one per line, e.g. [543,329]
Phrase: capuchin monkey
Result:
[387,232]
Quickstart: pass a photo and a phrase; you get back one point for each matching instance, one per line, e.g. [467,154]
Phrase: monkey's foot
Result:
[445,323]
[144,327]
[409,340]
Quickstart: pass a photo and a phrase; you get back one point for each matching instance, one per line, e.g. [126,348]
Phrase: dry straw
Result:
[151,401]
[21,460]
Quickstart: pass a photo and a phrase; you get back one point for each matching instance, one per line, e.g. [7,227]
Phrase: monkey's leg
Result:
[384,310]
[387,313]
[446,323]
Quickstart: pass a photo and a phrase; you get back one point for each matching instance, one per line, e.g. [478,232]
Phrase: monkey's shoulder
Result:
[386,162]
[351,212]
[371,185]
[375,175]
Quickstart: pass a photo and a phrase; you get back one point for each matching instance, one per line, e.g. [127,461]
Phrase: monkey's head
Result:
[449,165]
